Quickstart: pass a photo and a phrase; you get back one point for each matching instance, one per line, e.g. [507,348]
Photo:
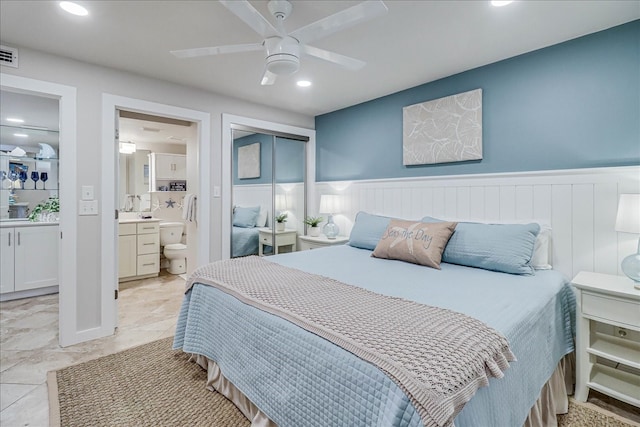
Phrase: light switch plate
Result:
[216,191]
[87,192]
[88,207]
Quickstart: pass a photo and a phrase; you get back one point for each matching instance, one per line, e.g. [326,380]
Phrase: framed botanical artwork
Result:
[249,161]
[443,130]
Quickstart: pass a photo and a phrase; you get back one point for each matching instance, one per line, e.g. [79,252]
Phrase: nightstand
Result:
[608,337]
[283,239]
[309,242]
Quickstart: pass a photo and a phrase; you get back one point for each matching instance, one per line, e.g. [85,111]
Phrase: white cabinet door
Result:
[127,256]
[36,257]
[170,166]
[180,167]
[164,166]
[7,242]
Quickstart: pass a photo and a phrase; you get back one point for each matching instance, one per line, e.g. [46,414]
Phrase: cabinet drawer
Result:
[148,264]
[148,244]
[266,238]
[148,227]
[126,229]
[611,308]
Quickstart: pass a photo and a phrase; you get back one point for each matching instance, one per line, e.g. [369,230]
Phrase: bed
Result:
[244,241]
[244,233]
[291,376]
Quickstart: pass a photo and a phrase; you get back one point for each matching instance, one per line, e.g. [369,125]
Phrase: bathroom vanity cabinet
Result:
[138,249]
[28,259]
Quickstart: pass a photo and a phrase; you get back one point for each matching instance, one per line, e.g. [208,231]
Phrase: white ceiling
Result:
[414,43]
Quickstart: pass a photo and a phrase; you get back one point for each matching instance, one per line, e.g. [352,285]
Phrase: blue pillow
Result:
[507,248]
[245,217]
[367,230]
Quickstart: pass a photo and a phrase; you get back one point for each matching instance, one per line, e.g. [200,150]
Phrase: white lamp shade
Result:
[330,204]
[281,202]
[628,218]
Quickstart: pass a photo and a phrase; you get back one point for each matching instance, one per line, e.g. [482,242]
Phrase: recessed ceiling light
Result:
[74,8]
[21,135]
[500,3]
[304,83]
[14,120]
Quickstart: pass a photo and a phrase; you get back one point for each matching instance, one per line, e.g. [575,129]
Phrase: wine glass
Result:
[35,176]
[23,177]
[44,177]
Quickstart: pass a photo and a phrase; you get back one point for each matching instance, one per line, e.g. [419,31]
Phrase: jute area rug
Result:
[153,385]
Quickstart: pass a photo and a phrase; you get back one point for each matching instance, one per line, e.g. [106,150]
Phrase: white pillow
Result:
[541,259]
[262,217]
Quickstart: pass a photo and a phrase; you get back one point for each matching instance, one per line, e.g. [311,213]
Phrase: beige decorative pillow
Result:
[416,242]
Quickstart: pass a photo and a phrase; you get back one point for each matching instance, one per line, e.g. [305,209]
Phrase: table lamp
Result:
[628,221]
[330,205]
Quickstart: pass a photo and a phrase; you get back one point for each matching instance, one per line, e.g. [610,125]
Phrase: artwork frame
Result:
[249,161]
[443,130]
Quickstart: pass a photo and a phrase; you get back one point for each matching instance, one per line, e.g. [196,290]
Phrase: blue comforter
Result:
[300,379]
[244,241]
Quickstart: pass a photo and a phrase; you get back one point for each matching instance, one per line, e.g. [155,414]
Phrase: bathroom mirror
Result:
[133,192]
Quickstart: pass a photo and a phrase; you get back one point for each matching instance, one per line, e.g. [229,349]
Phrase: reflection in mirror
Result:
[268,197]
[252,191]
[134,181]
[29,152]
[289,172]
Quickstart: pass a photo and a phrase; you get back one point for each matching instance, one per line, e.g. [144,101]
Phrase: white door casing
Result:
[109,231]
[67,273]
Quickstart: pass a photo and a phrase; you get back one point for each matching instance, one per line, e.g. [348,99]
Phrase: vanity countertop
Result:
[6,223]
[136,220]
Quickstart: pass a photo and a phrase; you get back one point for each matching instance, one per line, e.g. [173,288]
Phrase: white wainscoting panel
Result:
[580,205]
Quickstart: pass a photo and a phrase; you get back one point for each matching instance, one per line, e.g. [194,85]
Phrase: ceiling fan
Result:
[283,49]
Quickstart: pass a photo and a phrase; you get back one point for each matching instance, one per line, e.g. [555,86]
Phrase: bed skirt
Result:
[553,398]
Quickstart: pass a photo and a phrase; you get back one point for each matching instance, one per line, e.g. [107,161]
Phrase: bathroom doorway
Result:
[155,192]
[164,199]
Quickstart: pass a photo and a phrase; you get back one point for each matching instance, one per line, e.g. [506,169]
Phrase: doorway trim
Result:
[109,233]
[67,171]
[227,149]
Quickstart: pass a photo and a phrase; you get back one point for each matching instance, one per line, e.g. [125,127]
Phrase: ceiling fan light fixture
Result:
[283,55]
[283,64]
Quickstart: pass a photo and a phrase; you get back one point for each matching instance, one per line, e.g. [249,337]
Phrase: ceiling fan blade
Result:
[216,50]
[268,78]
[339,21]
[250,16]
[336,58]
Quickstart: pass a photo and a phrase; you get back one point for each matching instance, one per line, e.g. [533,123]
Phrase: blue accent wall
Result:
[571,105]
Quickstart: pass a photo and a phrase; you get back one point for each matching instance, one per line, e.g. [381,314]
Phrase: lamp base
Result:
[631,267]
[331,229]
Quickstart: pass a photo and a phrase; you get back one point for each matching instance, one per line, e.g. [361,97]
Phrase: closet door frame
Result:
[230,122]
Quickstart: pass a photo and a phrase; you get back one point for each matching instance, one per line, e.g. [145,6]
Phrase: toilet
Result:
[174,251]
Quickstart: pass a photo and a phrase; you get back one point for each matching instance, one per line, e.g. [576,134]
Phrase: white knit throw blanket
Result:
[437,356]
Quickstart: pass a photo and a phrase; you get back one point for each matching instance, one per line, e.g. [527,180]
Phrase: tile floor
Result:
[29,342]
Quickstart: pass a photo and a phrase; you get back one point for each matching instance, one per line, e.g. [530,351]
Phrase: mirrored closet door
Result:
[269,192]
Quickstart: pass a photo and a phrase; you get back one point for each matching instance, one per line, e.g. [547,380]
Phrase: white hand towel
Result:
[189,208]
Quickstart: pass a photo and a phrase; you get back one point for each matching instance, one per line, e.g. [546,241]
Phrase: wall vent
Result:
[9,56]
